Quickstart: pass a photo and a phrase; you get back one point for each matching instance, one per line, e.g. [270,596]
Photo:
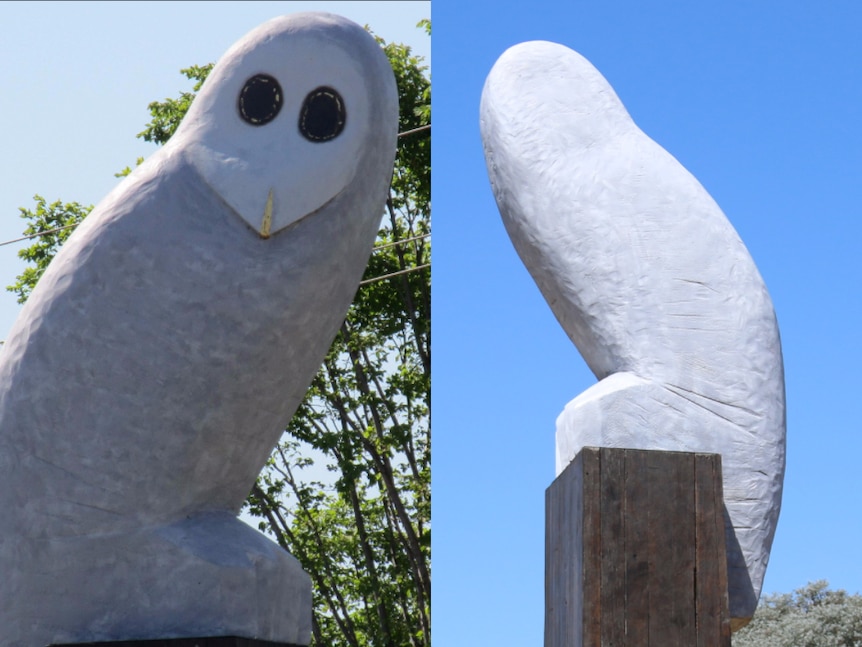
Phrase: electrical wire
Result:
[414,130]
[401,242]
[398,273]
[37,234]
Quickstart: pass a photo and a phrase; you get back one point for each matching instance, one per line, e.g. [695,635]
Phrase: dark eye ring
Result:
[322,116]
[260,99]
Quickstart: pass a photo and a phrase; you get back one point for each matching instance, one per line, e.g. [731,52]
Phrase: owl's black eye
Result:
[322,116]
[260,99]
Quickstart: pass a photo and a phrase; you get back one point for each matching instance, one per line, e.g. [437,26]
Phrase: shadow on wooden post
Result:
[635,551]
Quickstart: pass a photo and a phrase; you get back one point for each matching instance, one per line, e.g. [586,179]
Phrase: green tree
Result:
[813,616]
[361,525]
[49,225]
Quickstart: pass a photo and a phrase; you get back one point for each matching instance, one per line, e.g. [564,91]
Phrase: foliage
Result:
[348,489]
[49,225]
[166,115]
[813,616]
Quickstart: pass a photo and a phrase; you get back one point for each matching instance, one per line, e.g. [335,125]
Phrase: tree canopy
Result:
[347,491]
[812,616]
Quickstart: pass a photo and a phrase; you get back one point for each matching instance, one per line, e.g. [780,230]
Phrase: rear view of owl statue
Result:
[650,282]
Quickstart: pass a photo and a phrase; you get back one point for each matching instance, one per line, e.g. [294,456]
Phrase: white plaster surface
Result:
[165,349]
[651,283]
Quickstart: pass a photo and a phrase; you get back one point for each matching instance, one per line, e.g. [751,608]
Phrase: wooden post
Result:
[634,551]
[213,641]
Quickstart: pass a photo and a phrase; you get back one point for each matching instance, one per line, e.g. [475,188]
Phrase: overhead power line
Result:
[389,276]
[413,131]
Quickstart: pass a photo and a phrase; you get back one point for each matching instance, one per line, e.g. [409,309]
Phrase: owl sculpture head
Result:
[281,125]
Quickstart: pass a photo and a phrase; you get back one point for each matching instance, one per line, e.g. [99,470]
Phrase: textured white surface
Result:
[163,352]
[651,283]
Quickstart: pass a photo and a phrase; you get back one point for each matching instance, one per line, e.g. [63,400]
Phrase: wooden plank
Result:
[553,563]
[672,619]
[564,558]
[592,547]
[711,603]
[636,545]
[552,560]
[613,580]
[205,641]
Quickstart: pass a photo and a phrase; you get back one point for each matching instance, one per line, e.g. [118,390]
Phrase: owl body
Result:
[651,283]
[167,346]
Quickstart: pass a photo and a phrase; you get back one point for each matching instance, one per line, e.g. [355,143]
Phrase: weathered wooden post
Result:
[217,641]
[220,641]
[635,551]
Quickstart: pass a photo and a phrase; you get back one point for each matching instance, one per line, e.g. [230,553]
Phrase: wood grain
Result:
[635,551]
[211,641]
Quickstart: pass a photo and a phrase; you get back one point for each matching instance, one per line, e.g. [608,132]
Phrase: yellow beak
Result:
[266,223]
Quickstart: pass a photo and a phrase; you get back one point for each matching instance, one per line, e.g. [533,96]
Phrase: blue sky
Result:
[761,102]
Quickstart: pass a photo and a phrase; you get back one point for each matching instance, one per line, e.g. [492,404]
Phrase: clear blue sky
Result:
[761,102]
